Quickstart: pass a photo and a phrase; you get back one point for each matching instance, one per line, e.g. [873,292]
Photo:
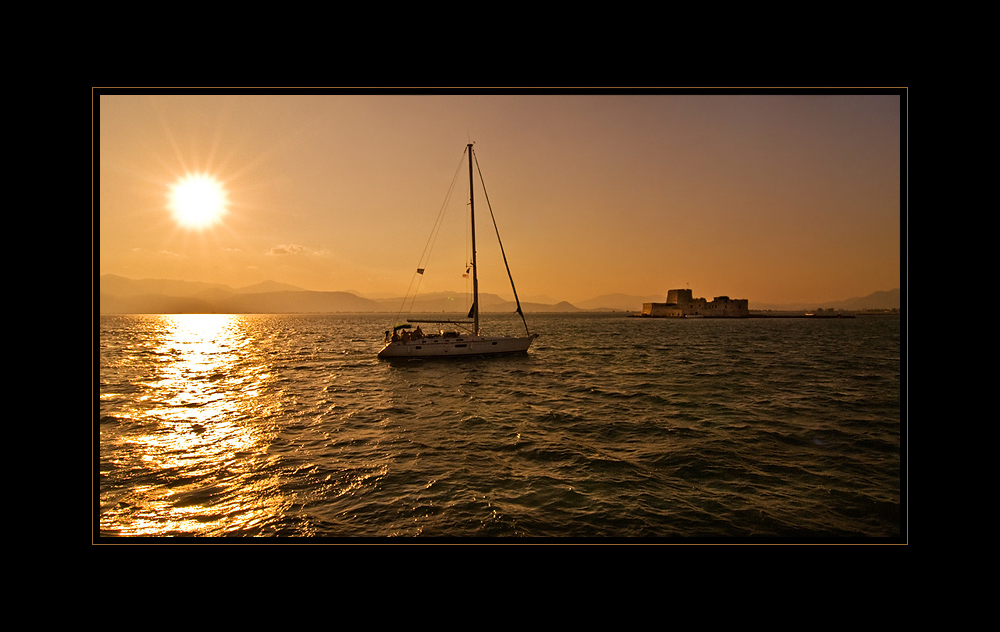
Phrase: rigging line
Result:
[402,307]
[509,275]
[438,222]
[429,246]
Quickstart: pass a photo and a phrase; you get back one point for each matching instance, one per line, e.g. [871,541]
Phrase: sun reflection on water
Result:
[196,432]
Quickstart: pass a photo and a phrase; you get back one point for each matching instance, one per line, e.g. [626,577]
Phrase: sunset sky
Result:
[772,198]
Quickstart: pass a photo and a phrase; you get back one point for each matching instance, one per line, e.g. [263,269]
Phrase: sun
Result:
[197,201]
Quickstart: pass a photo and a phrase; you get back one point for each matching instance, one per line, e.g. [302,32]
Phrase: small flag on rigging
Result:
[420,270]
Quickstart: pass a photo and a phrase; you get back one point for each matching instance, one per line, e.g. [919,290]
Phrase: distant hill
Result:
[114,285]
[454,302]
[623,302]
[296,302]
[153,304]
[887,299]
[269,286]
[120,295]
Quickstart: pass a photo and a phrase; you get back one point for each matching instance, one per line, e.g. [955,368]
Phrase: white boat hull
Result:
[456,347]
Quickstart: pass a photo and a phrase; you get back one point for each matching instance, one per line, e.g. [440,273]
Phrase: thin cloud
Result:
[291,249]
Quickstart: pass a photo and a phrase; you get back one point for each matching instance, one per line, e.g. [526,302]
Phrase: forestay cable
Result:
[509,275]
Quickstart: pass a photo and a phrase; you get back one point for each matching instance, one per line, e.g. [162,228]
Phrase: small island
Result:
[682,304]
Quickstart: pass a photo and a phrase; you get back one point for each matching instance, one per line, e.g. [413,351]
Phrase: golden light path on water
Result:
[199,437]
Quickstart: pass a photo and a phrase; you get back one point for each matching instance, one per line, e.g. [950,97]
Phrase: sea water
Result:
[610,428]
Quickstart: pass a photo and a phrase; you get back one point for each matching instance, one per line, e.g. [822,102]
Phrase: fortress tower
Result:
[680,297]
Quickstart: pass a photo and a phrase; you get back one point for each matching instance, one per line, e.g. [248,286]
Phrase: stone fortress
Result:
[681,304]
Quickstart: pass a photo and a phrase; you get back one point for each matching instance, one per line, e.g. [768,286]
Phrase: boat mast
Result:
[475,278]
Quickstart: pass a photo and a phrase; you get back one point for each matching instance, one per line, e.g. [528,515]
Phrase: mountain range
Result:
[120,295]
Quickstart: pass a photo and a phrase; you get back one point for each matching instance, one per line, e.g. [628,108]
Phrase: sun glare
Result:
[197,201]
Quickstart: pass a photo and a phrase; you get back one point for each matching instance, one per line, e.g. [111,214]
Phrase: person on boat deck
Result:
[418,333]
[395,336]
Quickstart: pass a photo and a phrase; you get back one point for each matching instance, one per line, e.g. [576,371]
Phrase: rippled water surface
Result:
[610,427]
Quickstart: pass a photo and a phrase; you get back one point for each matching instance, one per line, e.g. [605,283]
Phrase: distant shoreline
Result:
[758,315]
[604,312]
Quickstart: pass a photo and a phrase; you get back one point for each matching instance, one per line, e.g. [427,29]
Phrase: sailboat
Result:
[452,343]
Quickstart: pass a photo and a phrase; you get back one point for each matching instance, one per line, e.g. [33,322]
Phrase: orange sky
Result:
[772,198]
